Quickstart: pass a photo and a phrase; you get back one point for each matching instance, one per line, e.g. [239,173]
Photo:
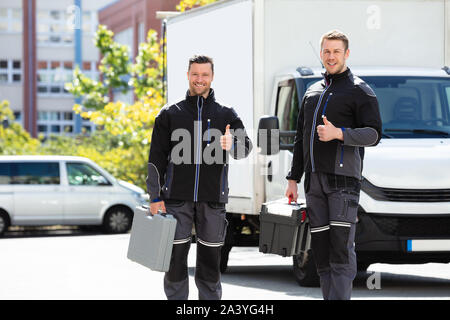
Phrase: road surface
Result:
[70,264]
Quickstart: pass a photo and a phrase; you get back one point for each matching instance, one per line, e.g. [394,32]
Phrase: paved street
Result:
[76,265]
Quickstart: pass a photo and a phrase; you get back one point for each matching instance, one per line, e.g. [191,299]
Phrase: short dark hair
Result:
[334,35]
[201,59]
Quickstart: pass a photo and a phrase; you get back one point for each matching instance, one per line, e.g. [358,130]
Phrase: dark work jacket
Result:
[186,161]
[348,103]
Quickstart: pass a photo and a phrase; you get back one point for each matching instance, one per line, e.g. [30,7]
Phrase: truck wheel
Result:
[305,270]
[118,220]
[225,252]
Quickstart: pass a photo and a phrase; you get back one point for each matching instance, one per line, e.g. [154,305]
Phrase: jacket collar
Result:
[192,100]
[336,77]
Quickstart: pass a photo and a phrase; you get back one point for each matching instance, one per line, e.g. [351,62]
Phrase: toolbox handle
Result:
[147,208]
[291,200]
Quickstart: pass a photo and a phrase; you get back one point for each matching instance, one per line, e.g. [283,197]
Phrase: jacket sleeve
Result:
[158,156]
[368,120]
[242,145]
[297,166]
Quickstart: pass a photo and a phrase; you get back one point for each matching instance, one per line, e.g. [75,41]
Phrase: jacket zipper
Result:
[169,177]
[199,147]
[209,137]
[341,163]
[311,141]
[326,103]
[223,178]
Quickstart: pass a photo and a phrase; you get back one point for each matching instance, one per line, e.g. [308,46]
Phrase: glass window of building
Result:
[10,71]
[54,28]
[11,20]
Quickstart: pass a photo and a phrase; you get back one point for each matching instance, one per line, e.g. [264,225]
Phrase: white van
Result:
[64,190]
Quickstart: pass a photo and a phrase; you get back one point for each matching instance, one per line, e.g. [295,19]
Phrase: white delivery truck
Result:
[266,56]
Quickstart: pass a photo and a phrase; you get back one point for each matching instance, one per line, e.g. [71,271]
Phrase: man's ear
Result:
[347,53]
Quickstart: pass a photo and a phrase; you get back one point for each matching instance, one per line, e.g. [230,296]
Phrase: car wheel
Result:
[118,220]
[4,223]
[305,270]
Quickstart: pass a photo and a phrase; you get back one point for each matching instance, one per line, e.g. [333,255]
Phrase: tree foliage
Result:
[121,145]
[14,139]
[188,4]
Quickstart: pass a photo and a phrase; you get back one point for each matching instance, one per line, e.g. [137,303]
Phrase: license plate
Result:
[428,245]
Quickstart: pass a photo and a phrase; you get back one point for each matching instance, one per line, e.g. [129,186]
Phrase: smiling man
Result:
[191,182]
[338,117]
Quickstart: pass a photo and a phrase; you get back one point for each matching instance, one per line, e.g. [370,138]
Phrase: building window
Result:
[54,28]
[89,22]
[11,20]
[53,75]
[60,122]
[18,117]
[10,71]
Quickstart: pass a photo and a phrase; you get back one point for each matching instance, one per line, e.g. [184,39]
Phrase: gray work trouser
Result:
[332,203]
[210,226]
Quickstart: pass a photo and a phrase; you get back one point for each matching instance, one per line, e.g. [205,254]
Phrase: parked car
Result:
[64,190]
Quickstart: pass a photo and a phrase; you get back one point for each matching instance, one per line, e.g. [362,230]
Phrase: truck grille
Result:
[413,226]
[405,195]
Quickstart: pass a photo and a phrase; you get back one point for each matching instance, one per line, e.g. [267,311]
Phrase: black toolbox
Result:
[283,228]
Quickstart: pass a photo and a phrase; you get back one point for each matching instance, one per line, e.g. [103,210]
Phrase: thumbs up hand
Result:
[328,131]
[226,140]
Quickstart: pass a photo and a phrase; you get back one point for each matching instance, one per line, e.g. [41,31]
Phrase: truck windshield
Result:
[411,107]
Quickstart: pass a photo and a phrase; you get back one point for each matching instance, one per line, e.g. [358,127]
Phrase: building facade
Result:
[37,58]
[130,20]
[43,41]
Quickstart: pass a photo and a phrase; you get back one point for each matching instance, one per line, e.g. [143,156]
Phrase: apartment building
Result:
[41,42]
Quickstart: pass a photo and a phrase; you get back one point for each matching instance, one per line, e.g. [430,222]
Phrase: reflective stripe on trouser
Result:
[210,226]
[332,208]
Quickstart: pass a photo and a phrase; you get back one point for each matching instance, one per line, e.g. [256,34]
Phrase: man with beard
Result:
[188,178]
[338,117]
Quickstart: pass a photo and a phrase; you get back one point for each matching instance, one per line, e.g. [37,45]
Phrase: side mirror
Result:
[269,135]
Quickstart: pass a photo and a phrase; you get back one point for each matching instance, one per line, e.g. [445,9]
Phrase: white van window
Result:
[447,94]
[410,107]
[34,173]
[287,108]
[284,102]
[5,173]
[79,174]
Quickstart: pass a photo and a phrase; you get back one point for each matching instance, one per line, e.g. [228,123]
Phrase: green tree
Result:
[121,145]
[188,4]
[14,139]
